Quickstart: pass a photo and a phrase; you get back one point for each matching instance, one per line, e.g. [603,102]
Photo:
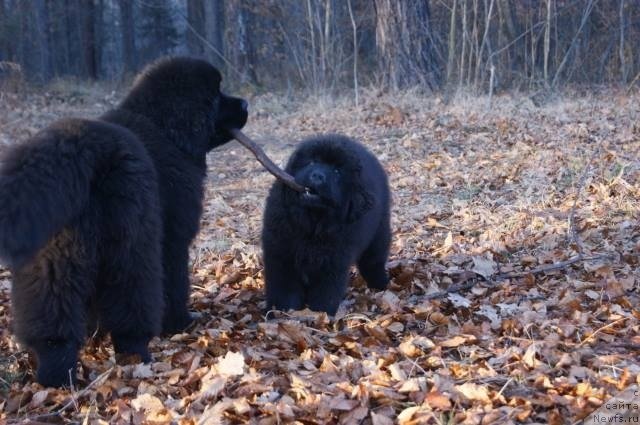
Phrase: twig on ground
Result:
[552,267]
[587,339]
[503,276]
[452,288]
[74,397]
[627,345]
[504,387]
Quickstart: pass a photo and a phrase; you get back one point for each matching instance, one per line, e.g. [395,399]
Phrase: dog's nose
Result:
[244,105]
[316,178]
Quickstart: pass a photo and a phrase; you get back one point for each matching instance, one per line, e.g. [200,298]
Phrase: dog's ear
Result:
[360,201]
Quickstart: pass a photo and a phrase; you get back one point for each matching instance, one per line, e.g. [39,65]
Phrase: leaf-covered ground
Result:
[515,263]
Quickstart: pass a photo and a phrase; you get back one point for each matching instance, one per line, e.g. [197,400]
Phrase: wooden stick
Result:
[551,267]
[76,396]
[512,275]
[588,338]
[266,161]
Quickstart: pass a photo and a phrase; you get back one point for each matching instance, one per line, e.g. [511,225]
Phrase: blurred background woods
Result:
[332,45]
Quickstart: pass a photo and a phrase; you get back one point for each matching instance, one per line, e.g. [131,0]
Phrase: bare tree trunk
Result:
[355,52]
[89,38]
[41,21]
[556,38]
[128,36]
[214,31]
[57,38]
[514,35]
[7,46]
[24,49]
[72,34]
[452,42]
[532,52]
[475,46]
[314,69]
[487,25]
[244,51]
[547,43]
[325,41]
[405,44]
[585,17]
[4,52]
[465,39]
[195,19]
[623,65]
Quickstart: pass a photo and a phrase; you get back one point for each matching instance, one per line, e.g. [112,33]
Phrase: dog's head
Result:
[182,96]
[332,171]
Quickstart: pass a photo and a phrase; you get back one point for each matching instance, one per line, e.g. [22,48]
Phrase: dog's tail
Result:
[46,181]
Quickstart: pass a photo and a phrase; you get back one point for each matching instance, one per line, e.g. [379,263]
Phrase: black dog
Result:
[96,216]
[310,240]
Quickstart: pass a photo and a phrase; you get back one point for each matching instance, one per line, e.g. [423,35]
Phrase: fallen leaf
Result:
[473,392]
[231,365]
[484,266]
[457,341]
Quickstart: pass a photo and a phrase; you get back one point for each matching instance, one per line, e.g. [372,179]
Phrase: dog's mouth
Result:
[312,199]
[311,195]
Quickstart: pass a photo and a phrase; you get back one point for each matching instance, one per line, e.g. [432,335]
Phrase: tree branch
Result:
[475,277]
[266,161]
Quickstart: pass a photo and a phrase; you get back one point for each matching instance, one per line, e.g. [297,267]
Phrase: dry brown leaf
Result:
[231,365]
[390,301]
[485,267]
[473,392]
[377,419]
[405,416]
[457,341]
[529,357]
[396,372]
[437,400]
[38,398]
[142,371]
[153,409]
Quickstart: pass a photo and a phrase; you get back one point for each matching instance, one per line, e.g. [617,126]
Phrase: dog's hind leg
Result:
[373,260]
[49,298]
[130,297]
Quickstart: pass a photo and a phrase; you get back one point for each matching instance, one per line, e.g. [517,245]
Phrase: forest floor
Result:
[515,260]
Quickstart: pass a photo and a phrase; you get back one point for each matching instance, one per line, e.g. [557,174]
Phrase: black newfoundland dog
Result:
[311,239]
[96,216]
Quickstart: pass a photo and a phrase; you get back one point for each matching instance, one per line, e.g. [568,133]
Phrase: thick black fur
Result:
[96,216]
[310,240]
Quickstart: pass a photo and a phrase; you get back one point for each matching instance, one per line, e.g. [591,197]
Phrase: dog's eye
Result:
[336,171]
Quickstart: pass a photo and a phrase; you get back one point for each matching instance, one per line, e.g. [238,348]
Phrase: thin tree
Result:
[465,39]
[355,52]
[88,9]
[547,43]
[41,24]
[484,43]
[623,64]
[214,18]
[128,36]
[452,41]
[405,44]
[195,19]
[312,34]
[583,21]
